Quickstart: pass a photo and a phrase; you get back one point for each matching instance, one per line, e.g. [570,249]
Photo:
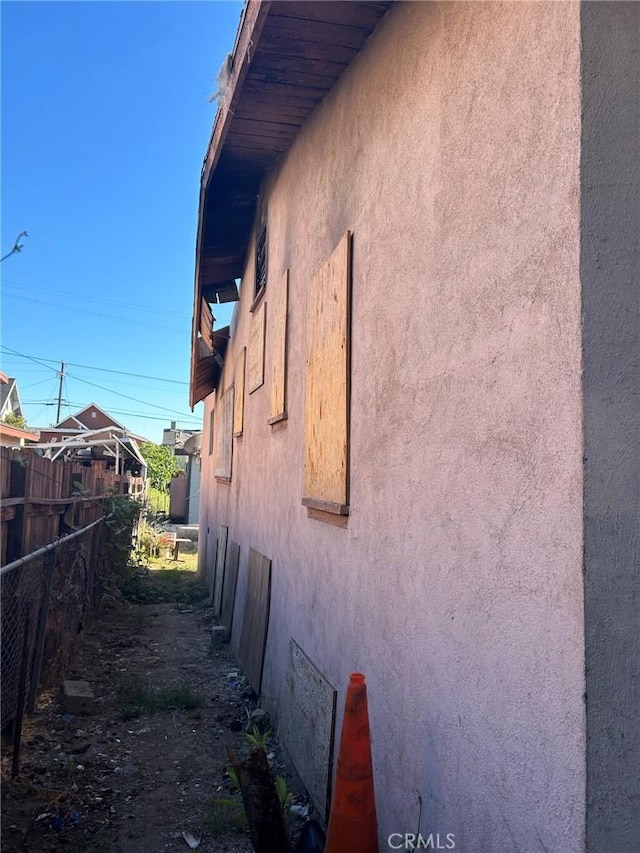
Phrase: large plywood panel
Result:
[229,586]
[225,436]
[255,357]
[327,388]
[308,724]
[238,411]
[221,555]
[278,301]
[255,620]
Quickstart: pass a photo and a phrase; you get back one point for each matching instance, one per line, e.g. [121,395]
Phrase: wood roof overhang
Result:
[287,56]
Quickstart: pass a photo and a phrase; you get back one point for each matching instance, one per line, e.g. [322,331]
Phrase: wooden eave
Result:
[288,55]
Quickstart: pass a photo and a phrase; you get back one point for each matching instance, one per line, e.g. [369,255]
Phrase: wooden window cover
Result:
[326,459]
[225,437]
[255,356]
[238,411]
[211,418]
[278,303]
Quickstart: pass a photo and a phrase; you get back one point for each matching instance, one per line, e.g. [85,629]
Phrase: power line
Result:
[127,373]
[95,385]
[143,415]
[33,384]
[125,396]
[112,302]
[101,369]
[132,321]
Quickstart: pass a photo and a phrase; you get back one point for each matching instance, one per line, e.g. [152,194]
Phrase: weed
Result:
[136,698]
[223,815]
[284,794]
[256,739]
[155,586]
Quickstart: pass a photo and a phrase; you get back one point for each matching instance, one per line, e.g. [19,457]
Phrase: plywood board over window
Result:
[326,459]
[255,358]
[238,412]
[278,301]
[225,437]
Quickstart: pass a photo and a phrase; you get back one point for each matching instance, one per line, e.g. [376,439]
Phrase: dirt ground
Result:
[146,769]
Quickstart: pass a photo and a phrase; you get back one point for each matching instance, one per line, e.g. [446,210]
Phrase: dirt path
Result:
[138,771]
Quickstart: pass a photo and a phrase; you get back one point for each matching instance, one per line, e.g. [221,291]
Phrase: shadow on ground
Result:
[146,769]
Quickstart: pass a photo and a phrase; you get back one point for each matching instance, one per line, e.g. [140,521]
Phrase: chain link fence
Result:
[46,598]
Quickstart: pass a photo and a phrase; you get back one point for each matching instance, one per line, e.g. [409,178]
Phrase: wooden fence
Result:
[42,500]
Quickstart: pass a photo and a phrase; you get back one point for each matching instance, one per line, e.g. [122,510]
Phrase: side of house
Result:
[394,420]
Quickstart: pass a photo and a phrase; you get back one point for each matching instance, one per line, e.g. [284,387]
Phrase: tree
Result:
[161,464]
[14,420]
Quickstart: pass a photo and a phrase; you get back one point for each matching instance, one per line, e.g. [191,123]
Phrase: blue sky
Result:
[105,124]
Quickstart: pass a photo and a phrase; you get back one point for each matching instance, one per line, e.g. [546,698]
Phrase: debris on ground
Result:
[145,767]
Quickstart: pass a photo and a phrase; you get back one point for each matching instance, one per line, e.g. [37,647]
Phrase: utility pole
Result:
[60,392]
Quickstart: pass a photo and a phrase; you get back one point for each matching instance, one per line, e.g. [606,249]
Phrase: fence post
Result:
[38,652]
[22,683]
[15,531]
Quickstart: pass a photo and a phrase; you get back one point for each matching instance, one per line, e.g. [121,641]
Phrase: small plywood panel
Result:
[229,586]
[308,724]
[210,546]
[225,436]
[278,301]
[221,555]
[255,620]
[238,409]
[327,387]
[255,357]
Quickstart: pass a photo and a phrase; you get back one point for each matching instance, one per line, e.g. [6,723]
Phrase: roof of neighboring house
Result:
[9,397]
[7,431]
[287,56]
[3,378]
[82,418]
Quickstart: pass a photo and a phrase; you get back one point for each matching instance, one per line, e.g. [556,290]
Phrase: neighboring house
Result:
[91,417]
[92,434]
[9,398]
[185,489]
[12,436]
[193,449]
[421,428]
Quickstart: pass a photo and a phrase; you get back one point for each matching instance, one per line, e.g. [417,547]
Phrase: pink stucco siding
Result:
[450,148]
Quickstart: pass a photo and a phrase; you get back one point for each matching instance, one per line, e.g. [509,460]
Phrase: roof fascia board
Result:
[16,432]
[254,15]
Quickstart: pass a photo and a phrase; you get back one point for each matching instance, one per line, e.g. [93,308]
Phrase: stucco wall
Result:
[610,264]
[451,149]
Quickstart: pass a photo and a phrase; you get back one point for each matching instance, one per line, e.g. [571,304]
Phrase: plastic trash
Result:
[191,840]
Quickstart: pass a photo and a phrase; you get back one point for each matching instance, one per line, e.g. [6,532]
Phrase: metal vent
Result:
[261,261]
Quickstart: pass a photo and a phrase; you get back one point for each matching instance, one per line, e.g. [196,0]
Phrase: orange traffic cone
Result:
[353,825]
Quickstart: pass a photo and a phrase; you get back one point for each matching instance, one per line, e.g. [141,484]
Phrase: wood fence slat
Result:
[37,493]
